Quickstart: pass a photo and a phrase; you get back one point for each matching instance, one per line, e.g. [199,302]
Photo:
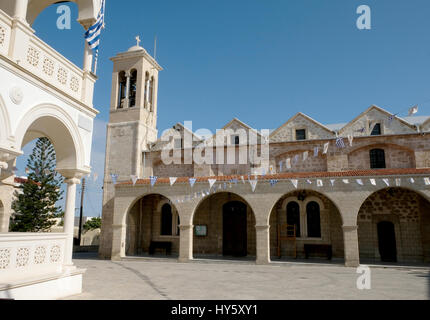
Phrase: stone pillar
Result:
[69,219]
[350,241]
[88,58]
[127,89]
[20,10]
[263,244]
[118,242]
[186,243]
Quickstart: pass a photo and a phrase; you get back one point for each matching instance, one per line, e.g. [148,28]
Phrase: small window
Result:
[166,220]
[122,83]
[301,134]
[235,140]
[376,130]
[133,88]
[377,159]
[313,219]
[293,216]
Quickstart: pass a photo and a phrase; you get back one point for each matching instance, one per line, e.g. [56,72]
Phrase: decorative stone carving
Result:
[33,56]
[55,254]
[62,75]
[16,95]
[39,255]
[2,35]
[48,66]
[22,257]
[4,258]
[74,84]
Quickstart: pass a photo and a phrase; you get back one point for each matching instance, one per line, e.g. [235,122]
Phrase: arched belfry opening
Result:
[394,226]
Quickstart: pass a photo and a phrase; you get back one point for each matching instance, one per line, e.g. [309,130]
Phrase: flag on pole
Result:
[92,35]
[172,180]
[413,110]
[340,143]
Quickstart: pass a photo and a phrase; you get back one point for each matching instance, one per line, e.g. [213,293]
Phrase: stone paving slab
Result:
[159,280]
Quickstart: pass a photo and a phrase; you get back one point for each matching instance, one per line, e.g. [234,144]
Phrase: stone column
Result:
[350,241]
[186,243]
[118,242]
[263,244]
[20,10]
[88,58]
[69,219]
[127,89]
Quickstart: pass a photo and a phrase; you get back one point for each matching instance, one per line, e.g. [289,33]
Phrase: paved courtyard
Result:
[209,280]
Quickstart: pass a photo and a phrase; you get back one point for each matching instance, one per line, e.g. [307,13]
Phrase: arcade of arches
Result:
[393,226]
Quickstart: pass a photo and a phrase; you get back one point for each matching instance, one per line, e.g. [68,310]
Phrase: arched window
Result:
[122,87]
[151,93]
[377,159]
[146,90]
[133,88]
[313,219]
[166,220]
[293,216]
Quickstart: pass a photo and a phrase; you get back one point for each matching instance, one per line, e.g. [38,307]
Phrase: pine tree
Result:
[35,206]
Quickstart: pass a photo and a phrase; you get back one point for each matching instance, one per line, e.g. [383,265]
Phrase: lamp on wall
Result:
[301,196]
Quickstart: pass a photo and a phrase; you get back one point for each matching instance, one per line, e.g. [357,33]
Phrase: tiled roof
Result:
[296,175]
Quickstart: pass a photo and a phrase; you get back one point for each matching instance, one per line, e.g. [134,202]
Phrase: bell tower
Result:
[132,126]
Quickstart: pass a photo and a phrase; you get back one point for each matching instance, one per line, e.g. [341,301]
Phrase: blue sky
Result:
[259,61]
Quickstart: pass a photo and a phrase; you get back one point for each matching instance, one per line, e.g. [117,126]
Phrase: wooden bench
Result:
[160,245]
[319,249]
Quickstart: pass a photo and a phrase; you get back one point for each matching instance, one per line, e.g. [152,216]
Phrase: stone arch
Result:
[142,222]
[88,9]
[330,217]
[54,123]
[409,211]
[5,131]
[210,212]
[359,159]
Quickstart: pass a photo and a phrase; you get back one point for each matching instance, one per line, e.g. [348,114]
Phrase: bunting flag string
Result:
[211,183]
[373,182]
[273,182]
[345,181]
[253,184]
[172,180]
[360,182]
[192,181]
[134,179]
[153,180]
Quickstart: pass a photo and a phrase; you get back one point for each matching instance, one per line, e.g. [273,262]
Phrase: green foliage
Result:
[94,223]
[35,205]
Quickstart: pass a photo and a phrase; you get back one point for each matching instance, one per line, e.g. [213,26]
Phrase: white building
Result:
[42,94]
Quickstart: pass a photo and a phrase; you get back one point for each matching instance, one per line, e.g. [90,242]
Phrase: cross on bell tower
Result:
[138,41]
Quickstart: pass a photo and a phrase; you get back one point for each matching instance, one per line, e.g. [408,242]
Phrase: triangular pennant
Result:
[305,155]
[345,181]
[309,181]
[134,179]
[273,182]
[326,147]
[288,163]
[296,158]
[427,181]
[243,179]
[350,139]
[192,181]
[373,182]
[114,178]
[153,180]
[295,183]
[360,182]
[316,151]
[280,166]
[172,180]
[386,181]
[332,182]
[412,180]
[319,183]
[253,184]
[211,182]
[398,182]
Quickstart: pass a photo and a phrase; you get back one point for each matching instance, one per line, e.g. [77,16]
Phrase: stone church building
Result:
[356,191]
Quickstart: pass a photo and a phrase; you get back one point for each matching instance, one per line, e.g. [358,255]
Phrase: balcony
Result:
[42,62]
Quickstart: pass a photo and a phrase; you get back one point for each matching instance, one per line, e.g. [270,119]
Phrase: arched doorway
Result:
[317,222]
[387,241]
[224,226]
[234,229]
[394,226]
[152,227]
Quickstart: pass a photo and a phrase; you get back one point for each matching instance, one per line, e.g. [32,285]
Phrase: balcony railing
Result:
[28,255]
[44,62]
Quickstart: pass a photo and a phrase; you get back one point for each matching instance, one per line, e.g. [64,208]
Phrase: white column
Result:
[263,244]
[69,219]
[20,11]
[186,243]
[88,57]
